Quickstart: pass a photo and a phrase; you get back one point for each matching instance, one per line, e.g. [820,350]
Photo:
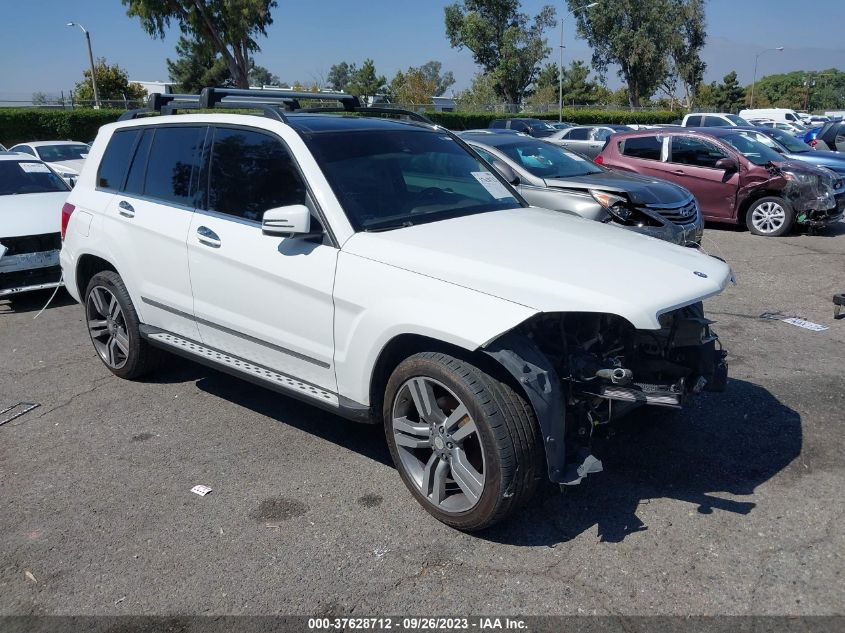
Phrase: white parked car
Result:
[781,115]
[65,157]
[381,270]
[31,198]
[713,119]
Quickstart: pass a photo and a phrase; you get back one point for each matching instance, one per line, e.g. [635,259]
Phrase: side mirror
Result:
[284,221]
[506,172]
[728,164]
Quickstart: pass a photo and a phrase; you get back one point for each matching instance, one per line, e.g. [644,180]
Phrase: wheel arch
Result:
[753,197]
[87,266]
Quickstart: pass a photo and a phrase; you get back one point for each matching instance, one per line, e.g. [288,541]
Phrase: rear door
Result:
[262,298]
[646,155]
[577,139]
[149,218]
[692,164]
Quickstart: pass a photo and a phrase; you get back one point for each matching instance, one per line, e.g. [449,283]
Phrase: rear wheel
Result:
[466,445]
[114,328]
[770,216]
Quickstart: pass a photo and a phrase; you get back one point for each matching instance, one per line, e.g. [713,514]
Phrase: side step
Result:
[240,367]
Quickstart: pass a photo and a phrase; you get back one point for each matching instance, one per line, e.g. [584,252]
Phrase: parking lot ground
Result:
[735,507]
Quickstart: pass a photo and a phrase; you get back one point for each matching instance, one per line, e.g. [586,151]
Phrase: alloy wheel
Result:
[438,444]
[768,217]
[107,327]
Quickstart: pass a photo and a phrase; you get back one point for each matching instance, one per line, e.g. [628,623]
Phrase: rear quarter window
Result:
[116,159]
[644,147]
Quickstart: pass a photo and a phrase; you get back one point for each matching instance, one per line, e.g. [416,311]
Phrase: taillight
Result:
[67,211]
[599,160]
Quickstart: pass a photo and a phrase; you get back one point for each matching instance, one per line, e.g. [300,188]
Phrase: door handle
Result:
[679,172]
[126,209]
[208,237]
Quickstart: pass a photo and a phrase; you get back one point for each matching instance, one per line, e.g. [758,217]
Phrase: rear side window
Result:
[116,159]
[173,163]
[250,173]
[715,121]
[694,121]
[646,147]
[578,134]
[138,168]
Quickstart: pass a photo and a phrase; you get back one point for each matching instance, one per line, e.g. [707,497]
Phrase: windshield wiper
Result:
[390,227]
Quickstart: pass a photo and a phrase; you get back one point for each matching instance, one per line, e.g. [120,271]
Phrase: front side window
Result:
[548,161]
[715,121]
[24,149]
[694,121]
[391,178]
[59,153]
[173,163]
[251,172]
[645,147]
[736,120]
[21,177]
[116,159]
[688,150]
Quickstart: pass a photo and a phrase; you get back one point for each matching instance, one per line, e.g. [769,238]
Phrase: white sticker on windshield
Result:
[492,184]
[35,168]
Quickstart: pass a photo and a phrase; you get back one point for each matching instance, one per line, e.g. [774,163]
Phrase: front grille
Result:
[32,243]
[684,213]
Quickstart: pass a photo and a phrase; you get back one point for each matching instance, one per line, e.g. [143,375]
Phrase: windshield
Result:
[393,178]
[539,125]
[754,151]
[59,153]
[19,177]
[548,161]
[736,120]
[789,142]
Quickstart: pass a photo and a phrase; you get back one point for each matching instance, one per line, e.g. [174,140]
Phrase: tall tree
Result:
[340,75]
[196,66]
[112,84]
[229,26]
[481,95]
[431,71]
[365,83]
[577,87]
[631,34]
[687,40]
[260,76]
[419,85]
[728,96]
[506,43]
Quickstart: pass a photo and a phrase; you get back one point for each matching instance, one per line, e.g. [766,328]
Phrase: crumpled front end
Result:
[817,195]
[29,262]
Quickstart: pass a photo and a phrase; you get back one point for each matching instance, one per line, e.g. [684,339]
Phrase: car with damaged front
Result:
[64,157]
[31,198]
[379,269]
[551,177]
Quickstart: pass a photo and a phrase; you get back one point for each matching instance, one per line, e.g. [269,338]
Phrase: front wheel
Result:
[466,445]
[770,216]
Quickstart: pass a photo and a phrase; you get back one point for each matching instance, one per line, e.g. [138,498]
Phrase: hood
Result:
[74,166]
[552,262]
[821,158]
[31,213]
[641,189]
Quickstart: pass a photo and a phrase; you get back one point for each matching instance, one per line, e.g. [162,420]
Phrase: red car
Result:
[735,178]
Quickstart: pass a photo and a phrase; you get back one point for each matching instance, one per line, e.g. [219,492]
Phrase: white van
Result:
[782,115]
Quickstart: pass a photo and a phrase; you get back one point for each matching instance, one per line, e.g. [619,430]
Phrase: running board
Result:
[240,367]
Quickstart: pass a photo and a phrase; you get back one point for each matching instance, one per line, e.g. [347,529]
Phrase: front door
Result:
[262,298]
[692,164]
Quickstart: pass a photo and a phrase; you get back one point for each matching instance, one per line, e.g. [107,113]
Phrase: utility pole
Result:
[91,61]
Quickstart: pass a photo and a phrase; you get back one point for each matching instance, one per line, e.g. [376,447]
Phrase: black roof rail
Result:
[416,116]
[210,97]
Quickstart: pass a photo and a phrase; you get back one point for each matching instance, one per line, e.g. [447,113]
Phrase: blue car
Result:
[810,135]
[793,149]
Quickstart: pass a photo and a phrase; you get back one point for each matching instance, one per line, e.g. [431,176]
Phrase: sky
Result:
[41,54]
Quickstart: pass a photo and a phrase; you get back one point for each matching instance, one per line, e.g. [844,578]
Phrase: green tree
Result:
[419,85]
[197,65]
[340,75]
[811,90]
[506,43]
[687,41]
[230,27]
[431,71]
[577,87]
[728,96]
[112,84]
[260,76]
[632,34]
[481,95]
[365,83]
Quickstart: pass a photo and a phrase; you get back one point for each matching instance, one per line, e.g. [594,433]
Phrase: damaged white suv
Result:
[382,270]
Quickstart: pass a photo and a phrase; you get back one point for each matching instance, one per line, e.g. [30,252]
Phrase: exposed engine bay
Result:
[605,368]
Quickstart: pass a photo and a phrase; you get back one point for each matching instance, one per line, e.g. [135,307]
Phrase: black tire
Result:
[142,358]
[761,204]
[507,432]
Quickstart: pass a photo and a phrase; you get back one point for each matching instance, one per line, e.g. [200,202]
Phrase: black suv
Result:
[534,127]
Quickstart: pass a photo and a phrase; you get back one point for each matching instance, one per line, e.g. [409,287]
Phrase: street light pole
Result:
[560,68]
[756,59]
[91,61]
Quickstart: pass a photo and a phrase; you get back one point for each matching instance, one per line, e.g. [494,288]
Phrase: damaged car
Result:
[31,198]
[734,178]
[381,270]
[552,177]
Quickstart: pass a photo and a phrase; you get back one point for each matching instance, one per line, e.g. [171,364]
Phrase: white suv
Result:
[382,270]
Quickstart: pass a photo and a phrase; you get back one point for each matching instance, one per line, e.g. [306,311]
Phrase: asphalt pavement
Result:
[734,507]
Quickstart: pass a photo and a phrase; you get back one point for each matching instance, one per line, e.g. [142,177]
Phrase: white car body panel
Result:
[548,262]
[31,213]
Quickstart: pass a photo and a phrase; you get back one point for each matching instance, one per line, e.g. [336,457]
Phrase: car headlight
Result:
[801,177]
[617,206]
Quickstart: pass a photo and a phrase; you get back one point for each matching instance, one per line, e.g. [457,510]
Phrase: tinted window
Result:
[22,177]
[714,121]
[578,134]
[687,150]
[648,147]
[173,163]
[138,168]
[250,173]
[116,159]
[393,178]
[694,121]
[498,123]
